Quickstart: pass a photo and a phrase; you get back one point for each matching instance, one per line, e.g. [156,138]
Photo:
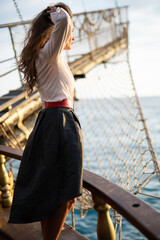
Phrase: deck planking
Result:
[30,231]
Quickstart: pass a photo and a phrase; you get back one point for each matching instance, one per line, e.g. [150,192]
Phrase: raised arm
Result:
[60,35]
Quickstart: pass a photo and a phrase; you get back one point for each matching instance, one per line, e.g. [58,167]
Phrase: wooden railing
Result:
[104,192]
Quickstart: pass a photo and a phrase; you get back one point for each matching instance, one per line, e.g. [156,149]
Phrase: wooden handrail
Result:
[75,14]
[137,212]
[11,152]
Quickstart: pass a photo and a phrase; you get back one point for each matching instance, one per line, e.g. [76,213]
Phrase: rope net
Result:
[116,143]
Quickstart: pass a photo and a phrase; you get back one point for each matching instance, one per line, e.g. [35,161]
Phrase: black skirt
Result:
[50,173]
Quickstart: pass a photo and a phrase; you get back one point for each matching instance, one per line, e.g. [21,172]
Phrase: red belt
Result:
[63,103]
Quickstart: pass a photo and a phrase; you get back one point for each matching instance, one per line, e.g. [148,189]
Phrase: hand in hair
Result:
[50,10]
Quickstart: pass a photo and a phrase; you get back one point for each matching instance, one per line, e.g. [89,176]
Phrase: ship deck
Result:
[31,230]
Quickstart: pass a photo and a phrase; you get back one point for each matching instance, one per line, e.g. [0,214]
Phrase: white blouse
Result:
[55,81]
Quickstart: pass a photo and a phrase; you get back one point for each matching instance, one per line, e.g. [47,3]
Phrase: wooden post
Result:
[89,33]
[0,197]
[113,25]
[6,195]
[73,219]
[105,228]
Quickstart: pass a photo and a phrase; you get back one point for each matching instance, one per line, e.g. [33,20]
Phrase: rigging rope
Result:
[19,13]
[115,141]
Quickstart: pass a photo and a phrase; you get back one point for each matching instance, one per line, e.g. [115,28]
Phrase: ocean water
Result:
[87,225]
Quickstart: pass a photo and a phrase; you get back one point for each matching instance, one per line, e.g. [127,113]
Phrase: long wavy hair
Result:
[37,36]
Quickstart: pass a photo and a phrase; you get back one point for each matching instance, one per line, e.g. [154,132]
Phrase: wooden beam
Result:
[6,98]
[13,100]
[87,61]
[11,152]
[26,107]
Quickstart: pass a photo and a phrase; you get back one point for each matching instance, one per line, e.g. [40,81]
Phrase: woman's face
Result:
[70,41]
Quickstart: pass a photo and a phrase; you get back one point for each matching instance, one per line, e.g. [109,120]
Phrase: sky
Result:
[144,33]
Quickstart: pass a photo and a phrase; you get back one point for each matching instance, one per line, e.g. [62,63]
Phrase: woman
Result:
[50,174]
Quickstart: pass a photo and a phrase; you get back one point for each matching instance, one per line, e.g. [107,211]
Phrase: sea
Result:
[87,226]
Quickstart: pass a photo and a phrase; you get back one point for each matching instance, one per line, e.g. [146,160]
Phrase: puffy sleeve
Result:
[60,35]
